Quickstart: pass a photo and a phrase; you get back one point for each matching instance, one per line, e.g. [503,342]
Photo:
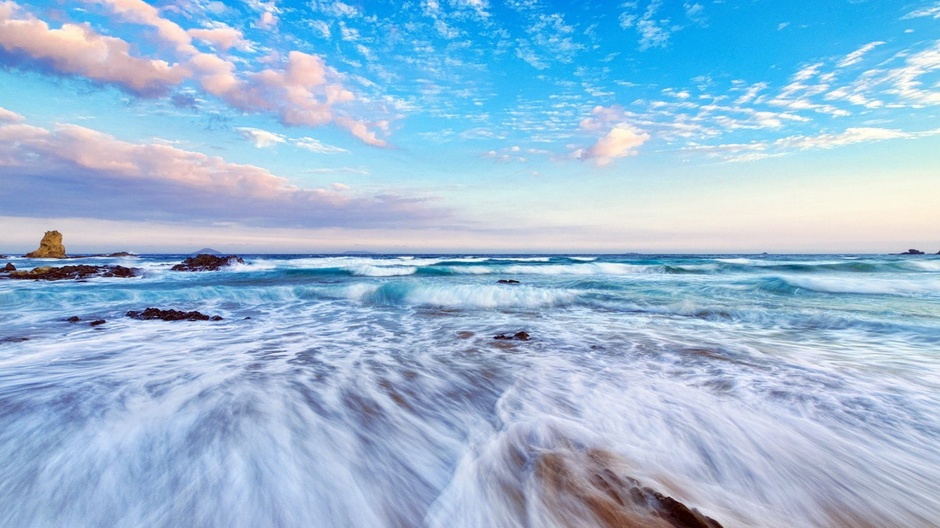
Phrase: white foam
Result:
[368,270]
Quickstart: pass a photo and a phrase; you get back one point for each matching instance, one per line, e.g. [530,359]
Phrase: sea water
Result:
[369,391]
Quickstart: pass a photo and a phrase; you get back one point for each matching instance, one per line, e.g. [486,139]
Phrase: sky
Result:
[708,126]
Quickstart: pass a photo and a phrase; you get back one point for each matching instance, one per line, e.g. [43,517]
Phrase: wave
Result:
[791,285]
[460,296]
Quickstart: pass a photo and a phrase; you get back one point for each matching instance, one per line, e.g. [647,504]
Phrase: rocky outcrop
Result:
[518,336]
[171,315]
[8,268]
[206,262]
[49,247]
[82,271]
[912,252]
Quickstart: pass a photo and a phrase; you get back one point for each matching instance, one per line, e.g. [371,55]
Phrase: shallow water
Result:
[369,391]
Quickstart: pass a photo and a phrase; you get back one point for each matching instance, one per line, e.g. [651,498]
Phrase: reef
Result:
[206,262]
[171,315]
[82,271]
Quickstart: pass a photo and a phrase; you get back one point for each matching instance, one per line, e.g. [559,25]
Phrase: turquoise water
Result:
[369,391]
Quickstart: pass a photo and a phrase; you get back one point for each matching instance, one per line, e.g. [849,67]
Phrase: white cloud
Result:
[856,56]
[260,138]
[740,152]
[313,145]
[932,12]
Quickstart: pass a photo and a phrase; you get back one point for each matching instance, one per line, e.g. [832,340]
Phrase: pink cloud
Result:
[620,139]
[302,91]
[100,176]
[76,49]
[222,38]
[9,116]
[620,142]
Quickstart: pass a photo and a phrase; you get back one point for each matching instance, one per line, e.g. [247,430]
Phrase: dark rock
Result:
[81,271]
[73,319]
[171,315]
[507,281]
[121,254]
[912,252]
[206,262]
[518,336]
[49,247]
[8,268]
[97,322]
[13,339]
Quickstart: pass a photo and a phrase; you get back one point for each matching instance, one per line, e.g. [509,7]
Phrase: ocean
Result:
[371,391]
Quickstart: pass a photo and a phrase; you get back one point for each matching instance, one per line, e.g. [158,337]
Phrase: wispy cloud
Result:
[856,56]
[930,11]
[741,152]
[313,145]
[260,138]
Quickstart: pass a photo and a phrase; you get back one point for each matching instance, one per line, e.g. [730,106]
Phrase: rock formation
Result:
[912,252]
[49,247]
[73,272]
[507,281]
[171,315]
[206,262]
[8,268]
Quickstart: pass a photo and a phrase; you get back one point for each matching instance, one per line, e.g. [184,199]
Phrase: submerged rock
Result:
[49,247]
[73,319]
[594,479]
[81,271]
[518,336]
[171,315]
[507,281]
[97,322]
[206,262]
[912,252]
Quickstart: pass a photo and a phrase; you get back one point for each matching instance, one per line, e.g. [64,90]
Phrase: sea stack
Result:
[49,247]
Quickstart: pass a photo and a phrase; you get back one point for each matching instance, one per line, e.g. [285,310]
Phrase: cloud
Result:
[654,32]
[906,80]
[932,12]
[223,37]
[9,116]
[856,56]
[301,91]
[743,152]
[84,173]
[620,142]
[76,49]
[260,138]
[313,145]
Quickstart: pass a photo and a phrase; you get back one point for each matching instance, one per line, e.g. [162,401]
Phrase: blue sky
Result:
[471,125]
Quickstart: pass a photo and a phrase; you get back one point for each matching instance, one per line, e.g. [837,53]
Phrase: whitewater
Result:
[369,391]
